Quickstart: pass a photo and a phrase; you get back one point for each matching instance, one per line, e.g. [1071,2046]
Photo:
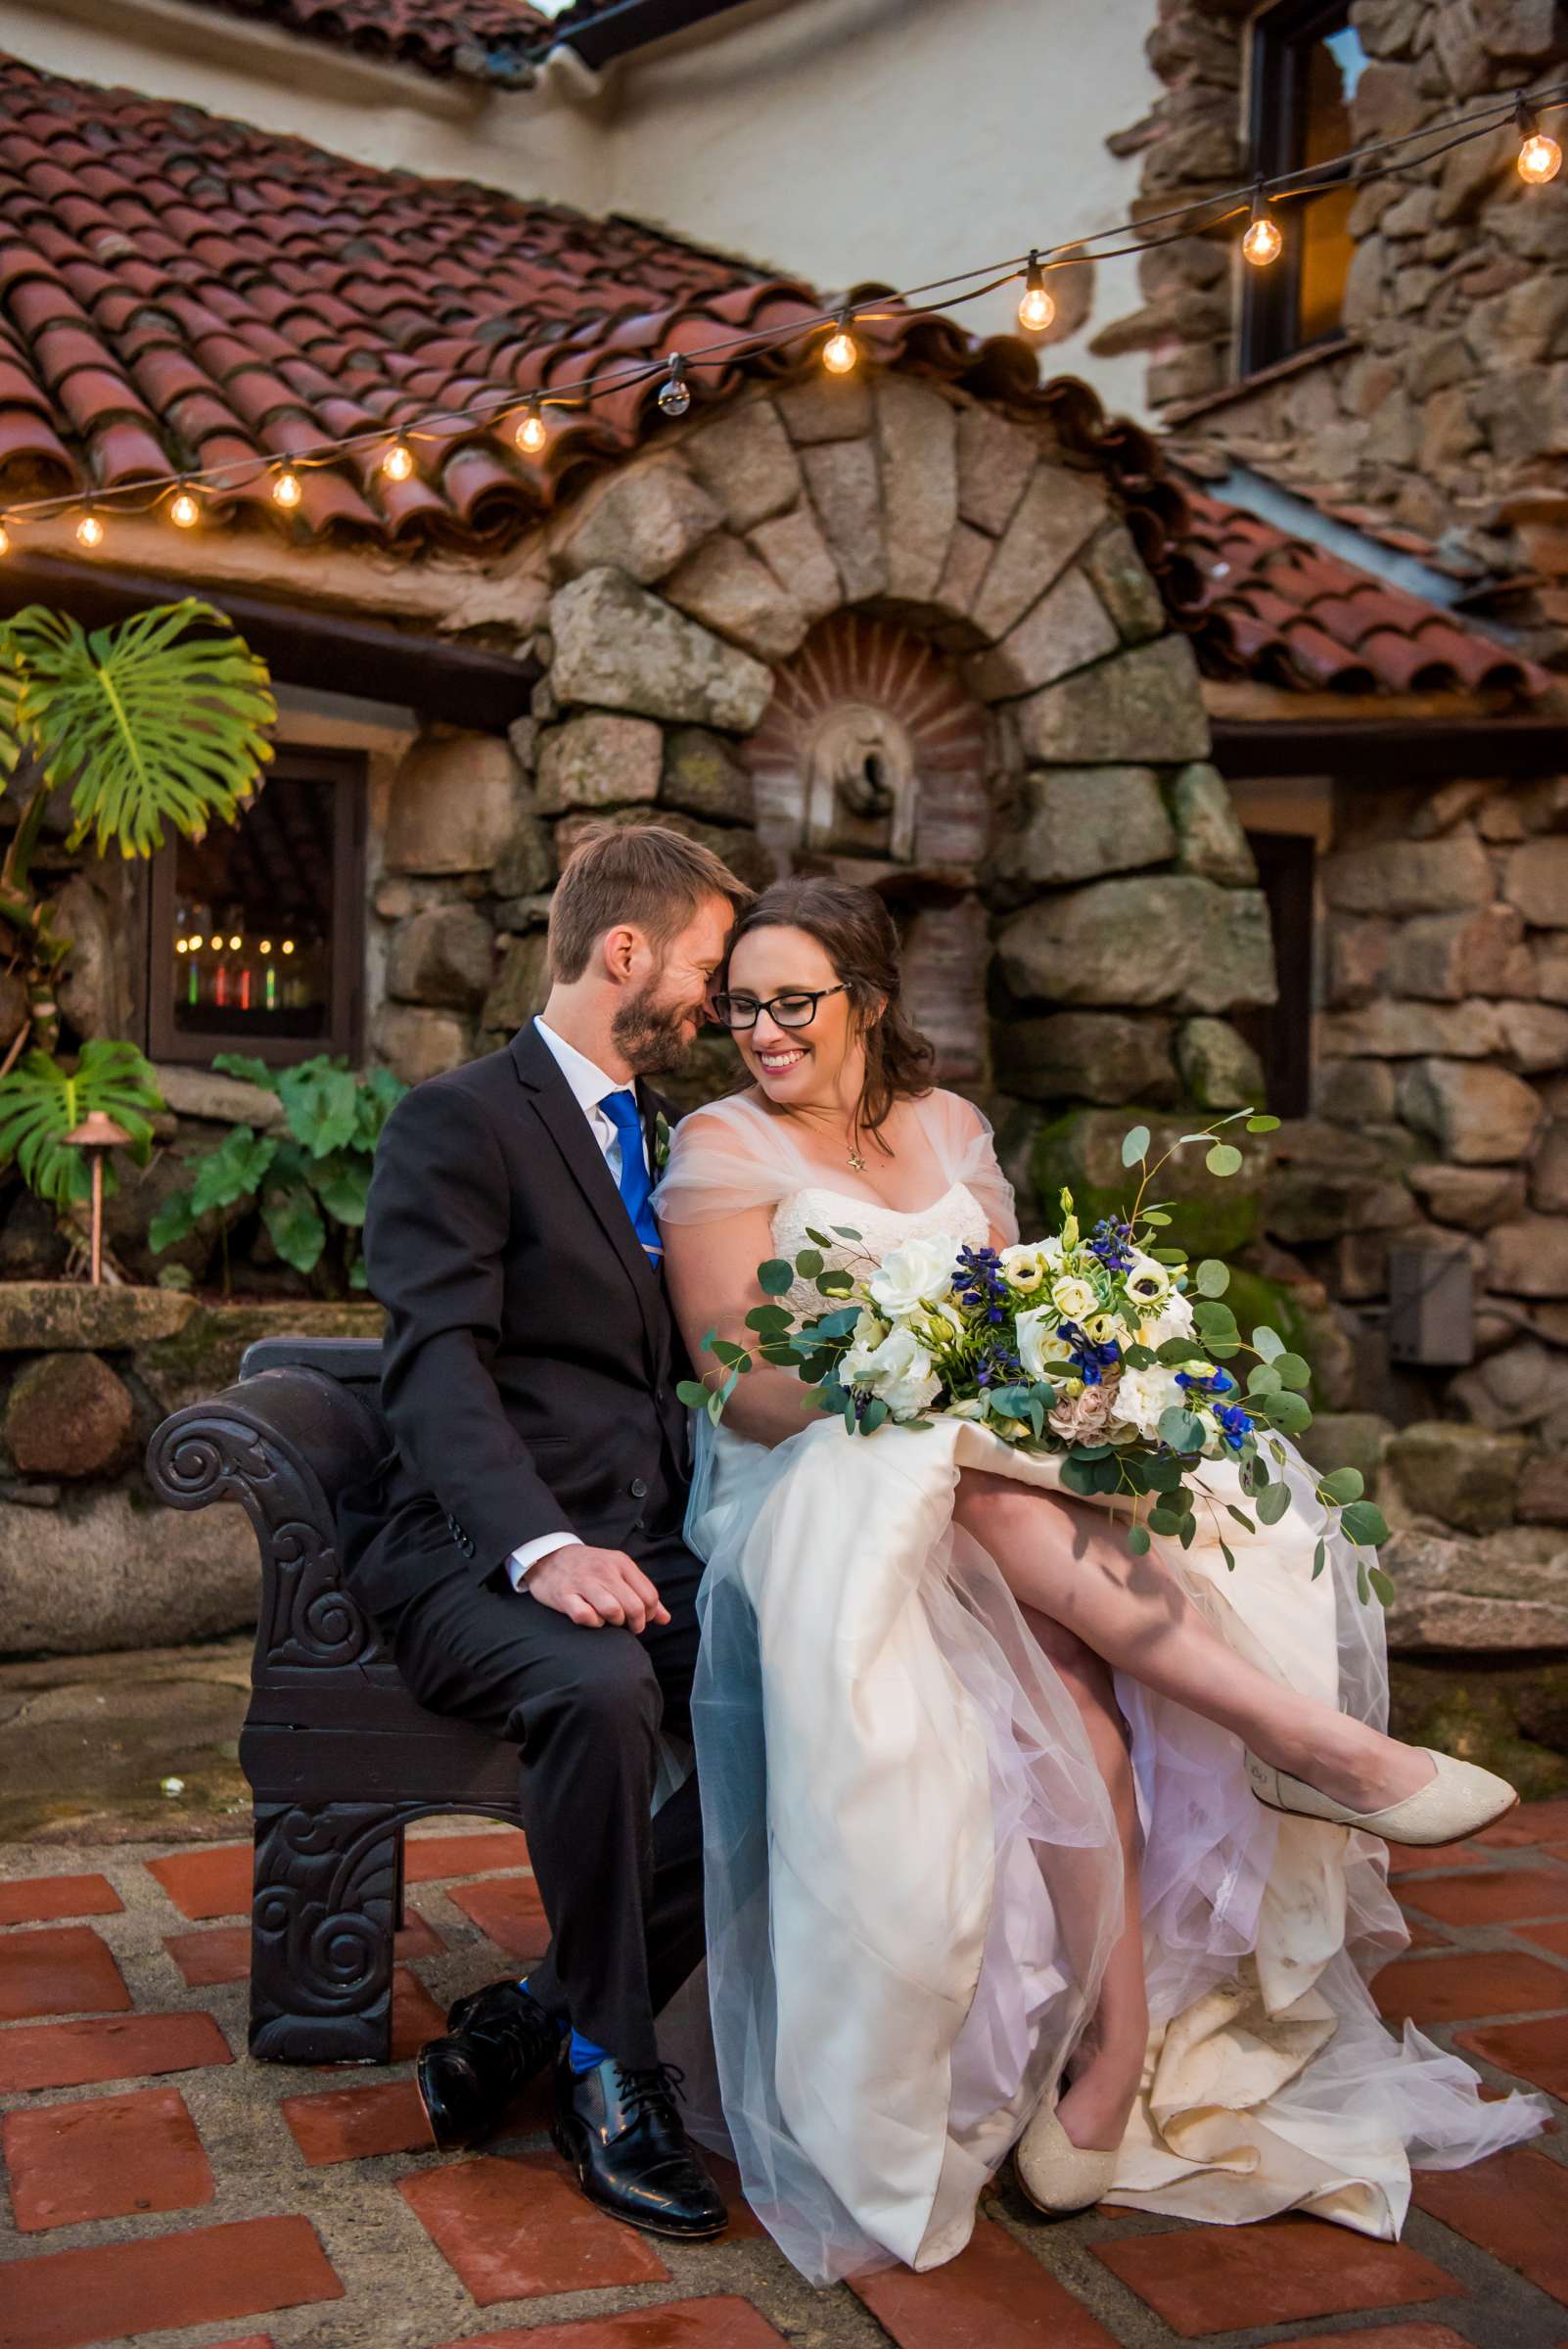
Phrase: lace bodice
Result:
[880,1228]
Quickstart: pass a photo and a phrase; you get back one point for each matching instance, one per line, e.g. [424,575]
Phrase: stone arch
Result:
[1114,900]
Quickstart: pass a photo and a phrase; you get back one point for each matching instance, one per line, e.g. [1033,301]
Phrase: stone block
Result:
[1211,1215]
[1219,1070]
[1354,1092]
[1528,1258]
[69,1415]
[221,1100]
[1457,1594]
[644,520]
[994,461]
[1536,880]
[733,845]
[441,956]
[1075,823]
[1324,1183]
[1542,1497]
[847,494]
[416,1043]
[1348,1439]
[527,864]
[1477,1115]
[1057,512]
[1463,1476]
[1161,938]
[522,984]
[703,776]
[1210,840]
[108,1569]
[1472,1197]
[969,553]
[516,915]
[1549,1170]
[1143,705]
[1410,876]
[796,554]
[1552,969]
[733,592]
[825,407]
[1534,1036]
[1521,1385]
[1104,1056]
[1450,955]
[47,1317]
[742,458]
[1355,958]
[916,440]
[1067,629]
[455,800]
[617,647]
[597,761]
[94,991]
[1117,572]
[1392,1029]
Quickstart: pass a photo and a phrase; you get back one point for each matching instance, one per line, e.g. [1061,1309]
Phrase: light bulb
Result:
[288,946]
[398,462]
[182,945]
[183,510]
[233,945]
[674,392]
[5,540]
[286,489]
[266,946]
[531,434]
[841,350]
[90,531]
[1037,309]
[197,943]
[1263,242]
[1539,158]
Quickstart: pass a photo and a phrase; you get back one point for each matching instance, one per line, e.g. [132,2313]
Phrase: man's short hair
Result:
[644,874]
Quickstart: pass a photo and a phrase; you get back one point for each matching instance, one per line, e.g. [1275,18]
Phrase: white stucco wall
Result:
[839,140]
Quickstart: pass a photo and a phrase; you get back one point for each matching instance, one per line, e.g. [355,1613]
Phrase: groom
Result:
[527,1569]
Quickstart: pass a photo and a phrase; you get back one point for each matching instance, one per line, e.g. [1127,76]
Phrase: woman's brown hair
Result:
[856,931]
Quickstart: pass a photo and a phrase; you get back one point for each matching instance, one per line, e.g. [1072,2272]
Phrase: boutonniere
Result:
[660,1142]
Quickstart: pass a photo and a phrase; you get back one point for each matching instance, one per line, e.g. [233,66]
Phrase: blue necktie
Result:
[636,1187]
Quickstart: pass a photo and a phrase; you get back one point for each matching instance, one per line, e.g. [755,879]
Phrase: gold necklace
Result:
[856,1159]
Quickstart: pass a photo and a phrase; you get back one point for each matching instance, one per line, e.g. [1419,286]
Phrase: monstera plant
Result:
[161,720]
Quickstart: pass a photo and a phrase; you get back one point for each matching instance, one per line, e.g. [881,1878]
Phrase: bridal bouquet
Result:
[1106,1348]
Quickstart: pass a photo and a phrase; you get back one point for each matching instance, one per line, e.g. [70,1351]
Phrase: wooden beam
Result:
[1392,751]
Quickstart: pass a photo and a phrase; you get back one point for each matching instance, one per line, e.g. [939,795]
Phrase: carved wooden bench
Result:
[338,1756]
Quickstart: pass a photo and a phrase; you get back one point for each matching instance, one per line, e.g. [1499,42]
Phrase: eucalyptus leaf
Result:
[1293,1368]
[692,1392]
[1273,1502]
[1342,1485]
[776,1278]
[1224,1159]
[1363,1523]
[1137,1539]
[1134,1145]
[1319,1558]
[1213,1278]
[1268,1343]
[1382,1583]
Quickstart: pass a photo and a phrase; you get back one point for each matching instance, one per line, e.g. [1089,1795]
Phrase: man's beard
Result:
[651,1036]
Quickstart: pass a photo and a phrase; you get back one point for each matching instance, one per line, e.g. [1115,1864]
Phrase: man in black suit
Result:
[527,1568]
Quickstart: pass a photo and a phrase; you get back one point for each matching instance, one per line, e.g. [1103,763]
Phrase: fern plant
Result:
[41,1102]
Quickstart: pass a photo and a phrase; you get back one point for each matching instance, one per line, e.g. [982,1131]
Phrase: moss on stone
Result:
[204,1357]
[1210,1214]
[1509,1716]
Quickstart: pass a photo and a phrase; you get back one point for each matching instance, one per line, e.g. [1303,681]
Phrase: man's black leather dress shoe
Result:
[621,2133]
[497,2042]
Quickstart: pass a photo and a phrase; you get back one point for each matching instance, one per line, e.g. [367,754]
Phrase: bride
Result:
[1012,1839]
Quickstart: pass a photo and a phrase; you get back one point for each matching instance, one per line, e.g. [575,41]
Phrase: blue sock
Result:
[584,2056]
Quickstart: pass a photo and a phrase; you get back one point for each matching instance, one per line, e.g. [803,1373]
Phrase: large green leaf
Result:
[321,1100]
[43,1100]
[233,1171]
[156,720]
[342,1183]
[296,1229]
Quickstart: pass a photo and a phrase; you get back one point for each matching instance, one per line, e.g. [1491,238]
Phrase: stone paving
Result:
[166,2190]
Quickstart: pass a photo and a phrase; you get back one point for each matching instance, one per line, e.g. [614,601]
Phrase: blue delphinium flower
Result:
[977,1281]
[1089,1361]
[1234,1424]
[1112,1242]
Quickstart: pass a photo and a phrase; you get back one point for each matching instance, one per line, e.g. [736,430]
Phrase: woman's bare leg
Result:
[1069,1562]
[1108,2064]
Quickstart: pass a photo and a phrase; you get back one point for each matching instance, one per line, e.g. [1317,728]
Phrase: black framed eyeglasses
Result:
[796,1010]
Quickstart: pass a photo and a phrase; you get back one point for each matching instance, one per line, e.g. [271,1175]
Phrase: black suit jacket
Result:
[532,1358]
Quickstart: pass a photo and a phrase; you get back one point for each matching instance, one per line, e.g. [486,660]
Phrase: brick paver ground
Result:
[165,2190]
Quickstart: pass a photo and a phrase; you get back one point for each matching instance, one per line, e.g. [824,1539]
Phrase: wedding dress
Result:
[913,1878]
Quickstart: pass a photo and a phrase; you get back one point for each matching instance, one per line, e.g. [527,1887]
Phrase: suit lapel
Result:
[559,1116]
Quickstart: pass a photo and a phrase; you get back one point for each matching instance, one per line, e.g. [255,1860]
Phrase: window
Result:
[1280,1032]
[1306,61]
[255,932]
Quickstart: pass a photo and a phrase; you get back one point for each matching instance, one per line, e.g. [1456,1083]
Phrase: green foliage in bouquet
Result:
[1108,1351]
[312,1183]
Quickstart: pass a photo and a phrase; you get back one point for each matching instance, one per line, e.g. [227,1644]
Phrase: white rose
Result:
[1173,1320]
[899,1373]
[1040,1349]
[1144,1394]
[918,1274]
[1073,1298]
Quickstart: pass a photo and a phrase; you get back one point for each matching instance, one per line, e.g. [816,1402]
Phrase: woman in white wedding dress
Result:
[991,1850]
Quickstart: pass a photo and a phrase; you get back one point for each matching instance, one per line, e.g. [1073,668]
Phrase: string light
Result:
[1539,157]
[531,434]
[235,944]
[398,462]
[184,511]
[287,488]
[1036,308]
[5,540]
[1263,242]
[90,531]
[674,392]
[288,946]
[841,351]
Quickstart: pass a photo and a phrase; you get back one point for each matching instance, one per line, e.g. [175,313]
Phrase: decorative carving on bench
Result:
[322,1923]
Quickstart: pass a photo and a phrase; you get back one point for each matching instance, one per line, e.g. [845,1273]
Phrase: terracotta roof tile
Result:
[473,38]
[1265,605]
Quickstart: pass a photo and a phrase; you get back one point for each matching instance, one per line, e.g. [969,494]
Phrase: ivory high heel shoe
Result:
[1458,1799]
[1059,2176]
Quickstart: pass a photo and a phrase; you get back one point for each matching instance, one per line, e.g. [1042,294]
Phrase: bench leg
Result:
[321,1932]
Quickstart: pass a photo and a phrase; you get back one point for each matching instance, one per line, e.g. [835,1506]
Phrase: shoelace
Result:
[504,2038]
[653,2091]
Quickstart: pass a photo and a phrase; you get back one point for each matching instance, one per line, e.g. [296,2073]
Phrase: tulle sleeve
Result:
[966,1147]
[725,1160]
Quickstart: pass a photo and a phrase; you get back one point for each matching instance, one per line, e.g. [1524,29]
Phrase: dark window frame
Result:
[347,775]
[1270,298]
[1281,1032]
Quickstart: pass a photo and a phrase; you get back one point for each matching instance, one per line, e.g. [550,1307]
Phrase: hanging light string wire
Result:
[1201,216]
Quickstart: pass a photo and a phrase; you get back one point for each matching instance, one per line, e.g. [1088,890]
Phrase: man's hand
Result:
[596,1587]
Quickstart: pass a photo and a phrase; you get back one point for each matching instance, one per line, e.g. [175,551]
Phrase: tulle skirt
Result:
[913,1879]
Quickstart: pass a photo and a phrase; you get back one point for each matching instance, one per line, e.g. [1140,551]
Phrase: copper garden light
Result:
[100,1133]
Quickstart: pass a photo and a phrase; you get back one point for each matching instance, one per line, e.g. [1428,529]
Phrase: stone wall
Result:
[1446,411]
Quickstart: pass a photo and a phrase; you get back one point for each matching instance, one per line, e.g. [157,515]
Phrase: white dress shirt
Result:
[589,1087]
